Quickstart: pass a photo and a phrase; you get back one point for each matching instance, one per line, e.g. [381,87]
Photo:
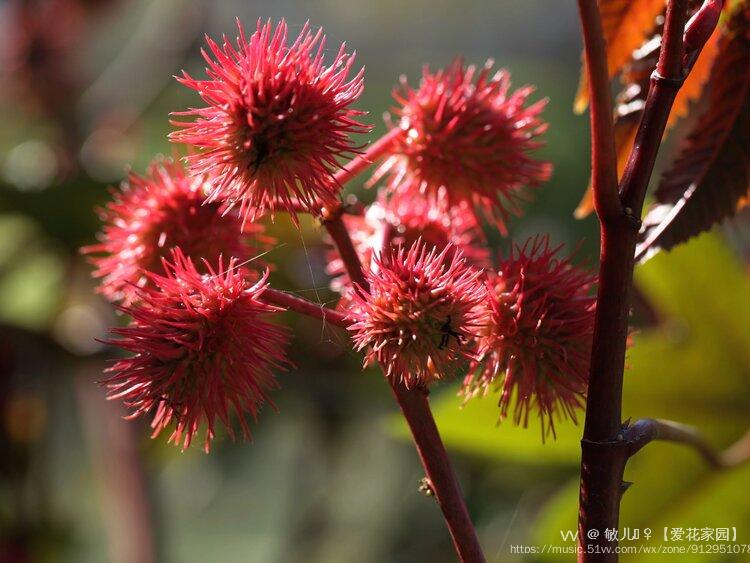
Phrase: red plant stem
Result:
[361,162]
[413,402]
[604,450]
[340,236]
[665,83]
[416,411]
[603,151]
[304,307]
[332,217]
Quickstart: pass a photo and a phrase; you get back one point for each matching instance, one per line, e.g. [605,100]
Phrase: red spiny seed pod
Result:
[423,310]
[467,138]
[389,223]
[537,345]
[203,347]
[277,120]
[149,215]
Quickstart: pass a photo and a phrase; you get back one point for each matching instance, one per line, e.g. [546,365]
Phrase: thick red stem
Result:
[604,452]
[603,152]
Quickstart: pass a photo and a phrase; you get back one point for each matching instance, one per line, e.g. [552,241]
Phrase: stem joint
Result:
[667,81]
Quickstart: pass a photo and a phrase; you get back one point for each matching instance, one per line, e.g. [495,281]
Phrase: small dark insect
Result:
[176,406]
[447,331]
[262,151]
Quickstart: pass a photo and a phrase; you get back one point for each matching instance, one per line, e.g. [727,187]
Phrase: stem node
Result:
[603,456]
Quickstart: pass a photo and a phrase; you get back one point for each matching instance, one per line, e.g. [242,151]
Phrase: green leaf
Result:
[474,430]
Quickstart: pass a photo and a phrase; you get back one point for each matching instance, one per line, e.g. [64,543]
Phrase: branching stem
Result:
[647,430]
[332,218]
[604,455]
[413,402]
[416,410]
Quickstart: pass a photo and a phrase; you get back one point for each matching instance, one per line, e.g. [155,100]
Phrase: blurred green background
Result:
[86,91]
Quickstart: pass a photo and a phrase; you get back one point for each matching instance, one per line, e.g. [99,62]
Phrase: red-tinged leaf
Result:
[630,101]
[626,24]
[711,176]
